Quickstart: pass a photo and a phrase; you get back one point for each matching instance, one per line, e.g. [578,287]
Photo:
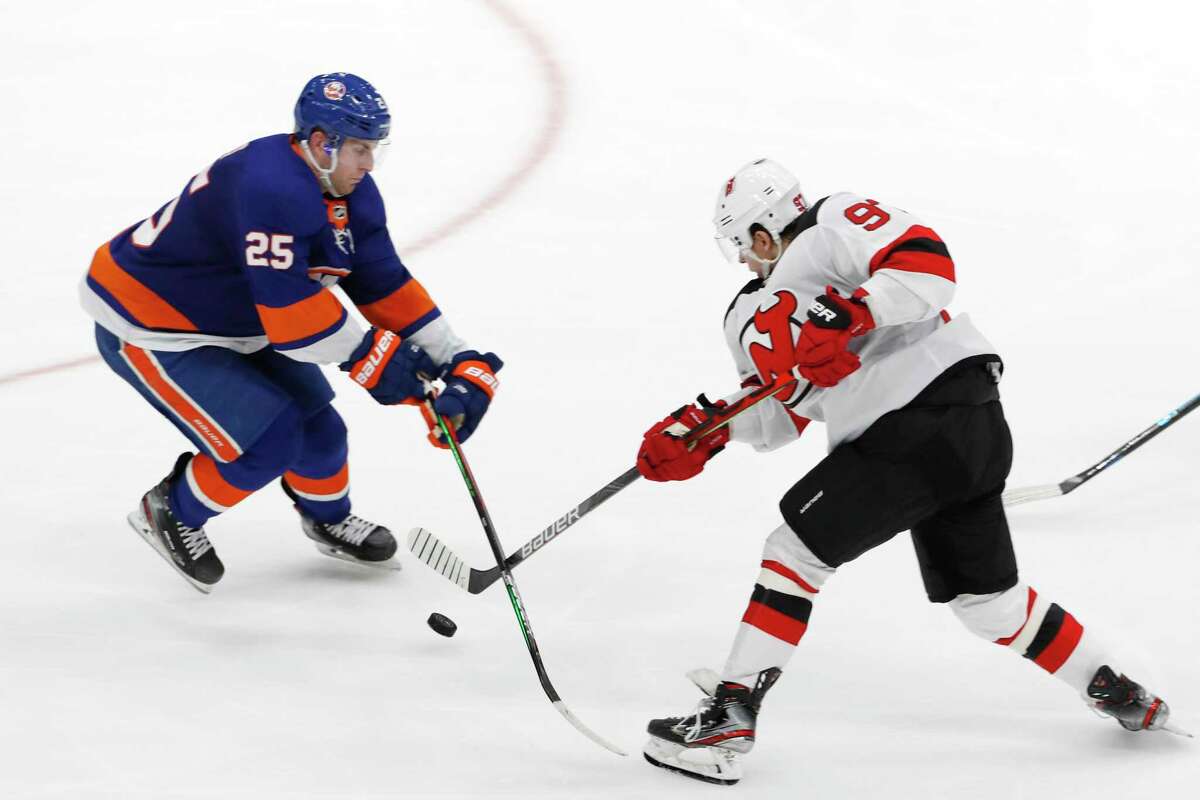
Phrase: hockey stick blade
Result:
[1028,494]
[585,730]
[432,552]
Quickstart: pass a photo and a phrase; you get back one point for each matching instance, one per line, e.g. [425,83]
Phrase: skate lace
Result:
[697,720]
[352,529]
[195,540]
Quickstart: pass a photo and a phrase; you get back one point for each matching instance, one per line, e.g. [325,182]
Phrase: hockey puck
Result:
[442,624]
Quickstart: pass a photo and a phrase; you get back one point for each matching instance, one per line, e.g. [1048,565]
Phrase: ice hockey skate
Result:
[186,549]
[1129,703]
[354,539]
[706,745]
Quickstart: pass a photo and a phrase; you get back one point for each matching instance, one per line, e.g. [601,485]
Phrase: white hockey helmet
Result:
[763,193]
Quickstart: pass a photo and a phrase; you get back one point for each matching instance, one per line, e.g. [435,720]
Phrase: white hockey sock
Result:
[1039,630]
[777,615]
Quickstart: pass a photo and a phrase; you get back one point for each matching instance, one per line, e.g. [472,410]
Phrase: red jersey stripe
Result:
[150,310]
[780,569]
[772,622]
[926,260]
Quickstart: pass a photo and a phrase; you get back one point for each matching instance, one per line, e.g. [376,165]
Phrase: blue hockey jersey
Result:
[245,258]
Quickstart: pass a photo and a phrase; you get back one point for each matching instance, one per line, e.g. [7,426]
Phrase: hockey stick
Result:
[433,552]
[1028,494]
[514,596]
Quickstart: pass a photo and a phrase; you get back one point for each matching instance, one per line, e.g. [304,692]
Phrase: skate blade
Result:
[708,764]
[139,523]
[392,564]
[1175,729]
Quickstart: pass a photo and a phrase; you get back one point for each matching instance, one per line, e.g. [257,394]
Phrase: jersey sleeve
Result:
[302,319]
[901,266]
[384,290]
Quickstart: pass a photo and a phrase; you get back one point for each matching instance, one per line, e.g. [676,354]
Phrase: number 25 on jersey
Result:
[279,245]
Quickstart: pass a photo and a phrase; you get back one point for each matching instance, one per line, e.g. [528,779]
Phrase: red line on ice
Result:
[542,145]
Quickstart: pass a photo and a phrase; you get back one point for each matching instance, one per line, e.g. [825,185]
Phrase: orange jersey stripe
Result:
[215,488]
[334,484]
[400,308]
[150,310]
[192,416]
[301,319]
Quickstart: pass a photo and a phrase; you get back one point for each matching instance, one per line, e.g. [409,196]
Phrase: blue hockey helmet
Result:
[342,105]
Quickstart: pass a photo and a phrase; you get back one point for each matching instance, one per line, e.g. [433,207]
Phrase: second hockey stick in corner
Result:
[1028,494]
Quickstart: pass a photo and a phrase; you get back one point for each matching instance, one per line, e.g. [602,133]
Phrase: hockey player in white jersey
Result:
[850,298]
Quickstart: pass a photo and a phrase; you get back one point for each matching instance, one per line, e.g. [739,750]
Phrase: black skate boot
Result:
[705,745]
[1128,703]
[354,539]
[186,549]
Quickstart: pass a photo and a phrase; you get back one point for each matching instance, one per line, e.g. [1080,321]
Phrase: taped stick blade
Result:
[437,556]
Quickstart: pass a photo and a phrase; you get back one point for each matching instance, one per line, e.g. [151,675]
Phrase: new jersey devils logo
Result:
[770,339]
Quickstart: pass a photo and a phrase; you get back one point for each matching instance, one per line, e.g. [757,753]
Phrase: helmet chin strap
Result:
[322,173]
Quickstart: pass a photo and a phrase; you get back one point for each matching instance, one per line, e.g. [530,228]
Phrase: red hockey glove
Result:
[822,357]
[664,456]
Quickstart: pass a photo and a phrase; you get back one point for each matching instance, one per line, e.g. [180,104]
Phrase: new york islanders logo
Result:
[335,90]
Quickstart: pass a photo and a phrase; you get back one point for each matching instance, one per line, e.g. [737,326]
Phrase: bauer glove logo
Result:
[368,366]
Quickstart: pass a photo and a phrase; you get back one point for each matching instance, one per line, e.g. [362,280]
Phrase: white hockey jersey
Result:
[850,242]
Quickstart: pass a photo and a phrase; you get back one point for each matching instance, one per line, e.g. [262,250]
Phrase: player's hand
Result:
[391,370]
[471,383]
[822,357]
[664,456]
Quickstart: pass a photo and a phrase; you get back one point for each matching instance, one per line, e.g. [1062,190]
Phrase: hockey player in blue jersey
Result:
[217,310]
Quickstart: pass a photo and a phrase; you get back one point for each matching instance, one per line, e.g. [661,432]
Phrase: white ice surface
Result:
[1053,145]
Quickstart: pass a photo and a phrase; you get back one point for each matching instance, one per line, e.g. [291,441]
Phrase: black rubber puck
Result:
[442,624]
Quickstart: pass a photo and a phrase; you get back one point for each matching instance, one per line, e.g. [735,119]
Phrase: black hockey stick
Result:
[433,552]
[514,596]
[429,549]
[1028,494]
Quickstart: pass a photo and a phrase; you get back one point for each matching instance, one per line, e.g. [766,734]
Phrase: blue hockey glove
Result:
[470,380]
[391,370]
